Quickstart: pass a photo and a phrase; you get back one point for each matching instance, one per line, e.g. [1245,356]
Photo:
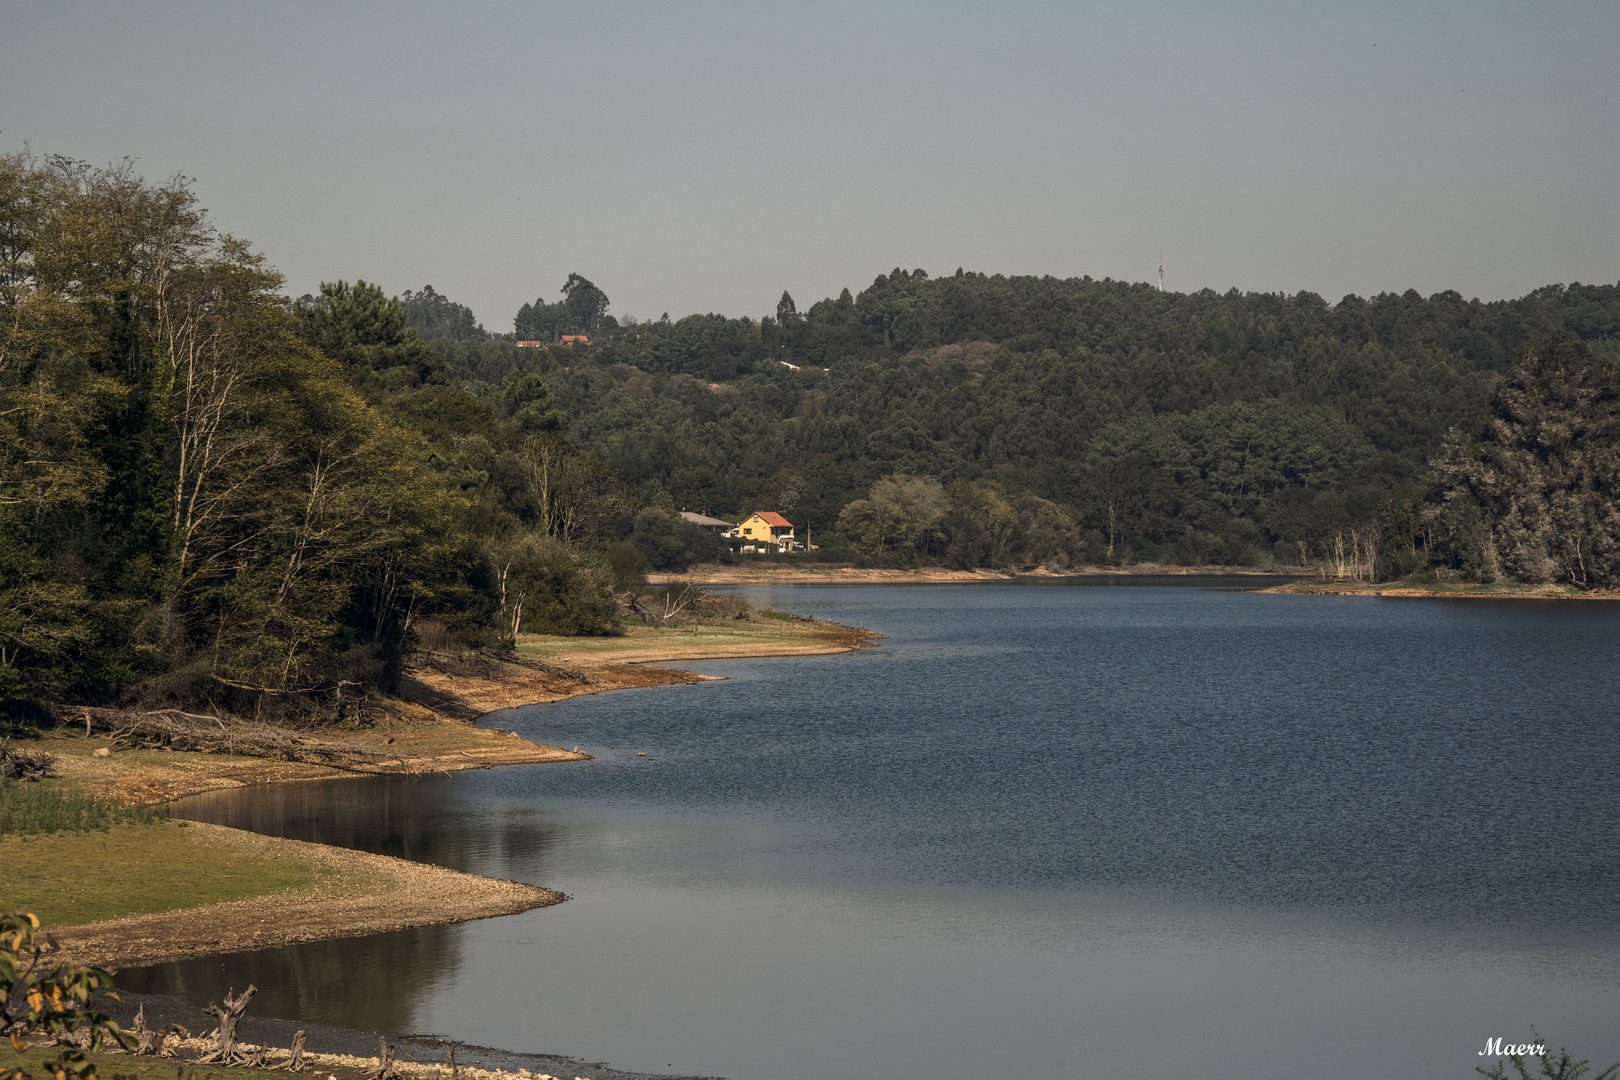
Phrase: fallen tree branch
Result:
[24,764]
[179,730]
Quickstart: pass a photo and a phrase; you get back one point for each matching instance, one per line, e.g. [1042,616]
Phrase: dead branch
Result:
[385,1062]
[24,764]
[295,1056]
[178,730]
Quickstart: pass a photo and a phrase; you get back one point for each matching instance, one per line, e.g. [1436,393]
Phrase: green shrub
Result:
[29,808]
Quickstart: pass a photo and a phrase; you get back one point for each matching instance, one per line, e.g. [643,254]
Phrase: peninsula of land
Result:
[144,893]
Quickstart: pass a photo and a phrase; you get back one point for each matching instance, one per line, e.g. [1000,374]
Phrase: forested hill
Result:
[1038,419]
[214,496]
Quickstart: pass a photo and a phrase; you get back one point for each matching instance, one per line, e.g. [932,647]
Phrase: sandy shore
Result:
[356,893]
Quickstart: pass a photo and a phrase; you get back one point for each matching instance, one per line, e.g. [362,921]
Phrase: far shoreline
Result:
[713,574]
[1459,591]
[1302,580]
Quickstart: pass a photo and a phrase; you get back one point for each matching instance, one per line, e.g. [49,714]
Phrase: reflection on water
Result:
[409,817]
[1039,826]
[375,983]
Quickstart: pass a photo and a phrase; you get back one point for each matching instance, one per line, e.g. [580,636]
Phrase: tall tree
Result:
[585,302]
[1542,464]
[786,312]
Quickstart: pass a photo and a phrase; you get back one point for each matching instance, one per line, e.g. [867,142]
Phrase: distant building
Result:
[709,524]
[532,344]
[572,339]
[766,530]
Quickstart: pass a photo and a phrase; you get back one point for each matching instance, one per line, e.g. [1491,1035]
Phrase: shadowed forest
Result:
[213,491]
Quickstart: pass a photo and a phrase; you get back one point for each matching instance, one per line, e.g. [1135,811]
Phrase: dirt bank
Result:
[354,893]
[412,739]
[1443,591]
[549,668]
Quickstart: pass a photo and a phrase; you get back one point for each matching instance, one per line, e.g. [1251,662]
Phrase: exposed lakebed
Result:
[1051,828]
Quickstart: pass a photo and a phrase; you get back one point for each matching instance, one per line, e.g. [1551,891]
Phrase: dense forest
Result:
[211,489]
[988,421]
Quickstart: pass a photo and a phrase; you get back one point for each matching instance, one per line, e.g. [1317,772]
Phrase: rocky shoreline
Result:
[350,1054]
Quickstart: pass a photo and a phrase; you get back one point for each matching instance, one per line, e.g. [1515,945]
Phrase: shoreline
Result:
[712,574]
[358,894]
[1440,592]
[351,1053]
[428,729]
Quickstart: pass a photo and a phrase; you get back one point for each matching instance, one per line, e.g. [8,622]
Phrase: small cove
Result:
[1053,827]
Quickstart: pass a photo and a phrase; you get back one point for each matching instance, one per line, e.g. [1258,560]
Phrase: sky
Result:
[695,157]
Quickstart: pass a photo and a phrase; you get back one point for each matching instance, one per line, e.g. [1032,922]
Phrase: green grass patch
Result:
[124,1067]
[49,808]
[770,627]
[133,869]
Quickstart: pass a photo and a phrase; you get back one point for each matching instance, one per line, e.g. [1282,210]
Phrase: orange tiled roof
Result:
[774,519]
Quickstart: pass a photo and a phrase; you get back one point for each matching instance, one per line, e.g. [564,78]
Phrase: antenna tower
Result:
[1161,270]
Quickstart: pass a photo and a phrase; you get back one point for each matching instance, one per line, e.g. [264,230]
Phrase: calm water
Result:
[1044,830]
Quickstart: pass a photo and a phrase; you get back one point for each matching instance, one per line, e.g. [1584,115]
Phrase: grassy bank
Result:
[766,633]
[133,869]
[29,808]
[123,1065]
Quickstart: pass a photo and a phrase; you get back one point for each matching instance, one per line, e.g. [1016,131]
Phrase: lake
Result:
[1048,829]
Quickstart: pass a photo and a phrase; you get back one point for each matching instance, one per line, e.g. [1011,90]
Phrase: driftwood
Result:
[151,1043]
[450,1060]
[24,764]
[224,1051]
[216,735]
[295,1056]
[492,664]
[385,1062]
[665,606]
[147,1041]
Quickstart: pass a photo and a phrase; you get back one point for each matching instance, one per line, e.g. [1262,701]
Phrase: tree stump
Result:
[225,1042]
[145,1037]
[385,1062]
[295,1059]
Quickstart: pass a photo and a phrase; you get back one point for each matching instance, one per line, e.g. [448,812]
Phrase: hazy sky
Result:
[705,156]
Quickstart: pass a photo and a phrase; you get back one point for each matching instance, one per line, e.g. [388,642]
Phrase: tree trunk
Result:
[225,1046]
[385,1062]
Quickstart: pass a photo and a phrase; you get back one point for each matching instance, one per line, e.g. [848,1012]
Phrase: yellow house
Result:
[767,528]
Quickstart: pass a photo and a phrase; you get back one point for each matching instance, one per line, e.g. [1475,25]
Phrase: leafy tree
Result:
[786,312]
[541,321]
[433,315]
[1542,464]
[586,303]
[38,997]
[900,512]
[670,543]
[364,329]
